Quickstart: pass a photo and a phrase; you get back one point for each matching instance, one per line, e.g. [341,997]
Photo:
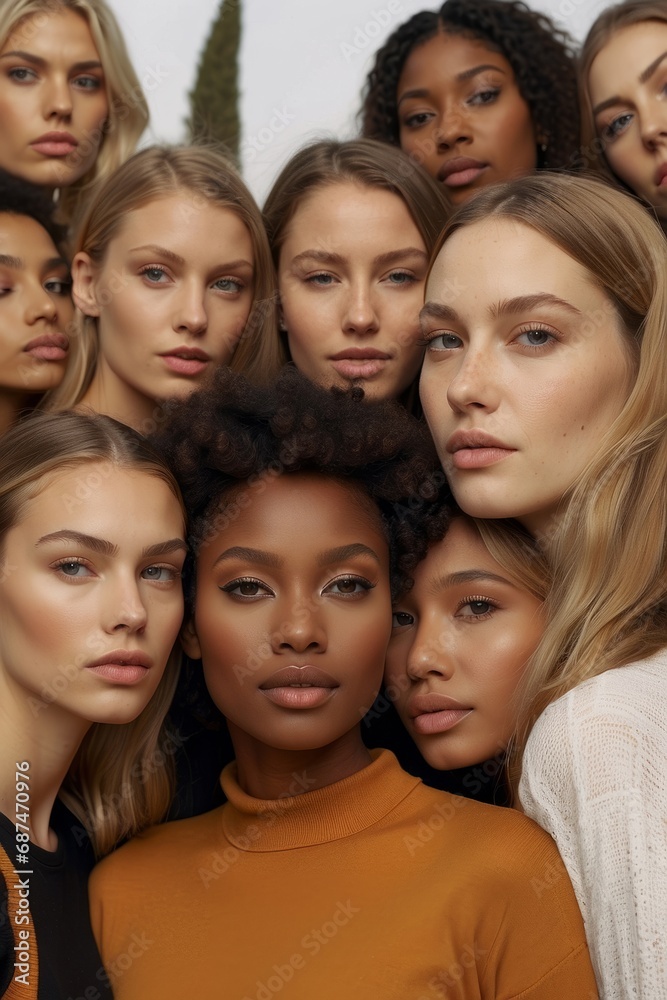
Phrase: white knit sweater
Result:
[595,777]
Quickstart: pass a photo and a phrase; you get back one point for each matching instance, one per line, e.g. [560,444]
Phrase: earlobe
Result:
[83,285]
[190,640]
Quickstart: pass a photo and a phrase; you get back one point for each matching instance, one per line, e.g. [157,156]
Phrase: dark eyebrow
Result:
[160,252]
[345,552]
[55,262]
[439,311]
[251,556]
[164,548]
[323,256]
[465,75]
[38,61]
[89,541]
[396,256]
[644,77]
[9,261]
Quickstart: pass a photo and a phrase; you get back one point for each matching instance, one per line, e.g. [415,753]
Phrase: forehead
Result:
[624,56]
[459,550]
[22,236]
[446,55]
[346,208]
[182,218]
[296,516]
[497,259]
[61,34]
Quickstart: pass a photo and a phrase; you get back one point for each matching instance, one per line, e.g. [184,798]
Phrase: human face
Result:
[351,277]
[462,116]
[35,307]
[628,91]
[53,100]
[90,593]
[172,297]
[293,615]
[461,640]
[525,370]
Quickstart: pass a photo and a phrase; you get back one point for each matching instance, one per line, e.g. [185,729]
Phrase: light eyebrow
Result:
[250,555]
[8,261]
[396,256]
[21,54]
[164,548]
[345,552]
[160,252]
[322,256]
[466,576]
[521,303]
[100,545]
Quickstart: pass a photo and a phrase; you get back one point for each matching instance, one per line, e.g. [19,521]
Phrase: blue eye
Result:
[72,569]
[229,285]
[160,574]
[444,342]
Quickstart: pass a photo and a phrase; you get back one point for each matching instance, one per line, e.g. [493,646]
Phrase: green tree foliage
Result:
[214,102]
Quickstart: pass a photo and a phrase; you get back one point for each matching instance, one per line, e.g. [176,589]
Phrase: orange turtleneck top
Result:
[373,888]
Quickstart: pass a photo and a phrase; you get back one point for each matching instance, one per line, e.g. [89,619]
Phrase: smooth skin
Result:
[463,634]
[458,100]
[628,91]
[51,85]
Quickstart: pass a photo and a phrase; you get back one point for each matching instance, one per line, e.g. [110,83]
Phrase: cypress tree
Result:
[214,102]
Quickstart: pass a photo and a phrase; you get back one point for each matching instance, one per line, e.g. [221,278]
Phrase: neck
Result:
[111,396]
[46,738]
[270,773]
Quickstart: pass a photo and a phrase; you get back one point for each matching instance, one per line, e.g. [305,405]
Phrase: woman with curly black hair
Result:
[323,849]
[477,93]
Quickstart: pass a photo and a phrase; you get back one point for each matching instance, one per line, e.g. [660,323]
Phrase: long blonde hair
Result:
[211,179]
[128,111]
[608,552]
[121,779]
[611,20]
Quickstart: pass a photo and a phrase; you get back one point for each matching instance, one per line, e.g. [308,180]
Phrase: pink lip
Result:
[122,666]
[474,449]
[460,171]
[299,687]
[55,143]
[661,175]
[49,347]
[435,713]
[359,362]
[188,361]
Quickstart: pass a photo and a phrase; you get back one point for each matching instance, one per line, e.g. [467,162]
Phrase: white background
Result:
[303,64]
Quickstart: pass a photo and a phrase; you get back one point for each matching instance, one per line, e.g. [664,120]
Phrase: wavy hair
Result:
[128,110]
[608,551]
[541,56]
[154,173]
[611,20]
[121,779]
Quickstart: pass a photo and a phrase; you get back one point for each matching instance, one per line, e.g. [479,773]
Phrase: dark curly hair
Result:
[231,436]
[541,56]
[19,197]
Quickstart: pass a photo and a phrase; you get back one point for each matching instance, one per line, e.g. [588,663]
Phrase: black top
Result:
[69,966]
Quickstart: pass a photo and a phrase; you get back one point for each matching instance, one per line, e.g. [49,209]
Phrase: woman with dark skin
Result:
[477,93]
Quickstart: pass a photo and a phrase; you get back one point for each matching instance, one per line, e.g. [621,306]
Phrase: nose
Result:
[191,316]
[452,129]
[126,609]
[473,384]
[654,127]
[57,98]
[360,316]
[428,653]
[40,306]
[302,632]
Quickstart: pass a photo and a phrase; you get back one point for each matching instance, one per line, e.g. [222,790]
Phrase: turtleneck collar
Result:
[317,817]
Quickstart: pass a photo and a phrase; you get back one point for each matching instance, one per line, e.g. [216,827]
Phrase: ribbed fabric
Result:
[595,777]
[373,888]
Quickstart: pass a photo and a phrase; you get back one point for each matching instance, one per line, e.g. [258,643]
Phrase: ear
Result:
[83,285]
[190,640]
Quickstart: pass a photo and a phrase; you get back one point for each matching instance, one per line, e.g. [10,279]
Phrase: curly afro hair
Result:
[542,57]
[19,197]
[230,436]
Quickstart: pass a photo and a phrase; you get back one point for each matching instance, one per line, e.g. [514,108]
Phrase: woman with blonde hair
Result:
[172,276]
[546,392]
[351,225]
[622,85]
[90,607]
[72,108]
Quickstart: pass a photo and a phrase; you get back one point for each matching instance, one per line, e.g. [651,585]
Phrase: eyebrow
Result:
[106,548]
[644,77]
[383,259]
[177,259]
[521,303]
[466,576]
[8,261]
[463,77]
[345,552]
[38,61]
[275,562]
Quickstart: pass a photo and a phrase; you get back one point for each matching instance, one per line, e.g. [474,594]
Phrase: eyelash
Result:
[229,588]
[59,565]
[91,83]
[161,271]
[487,95]
[477,599]
[427,341]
